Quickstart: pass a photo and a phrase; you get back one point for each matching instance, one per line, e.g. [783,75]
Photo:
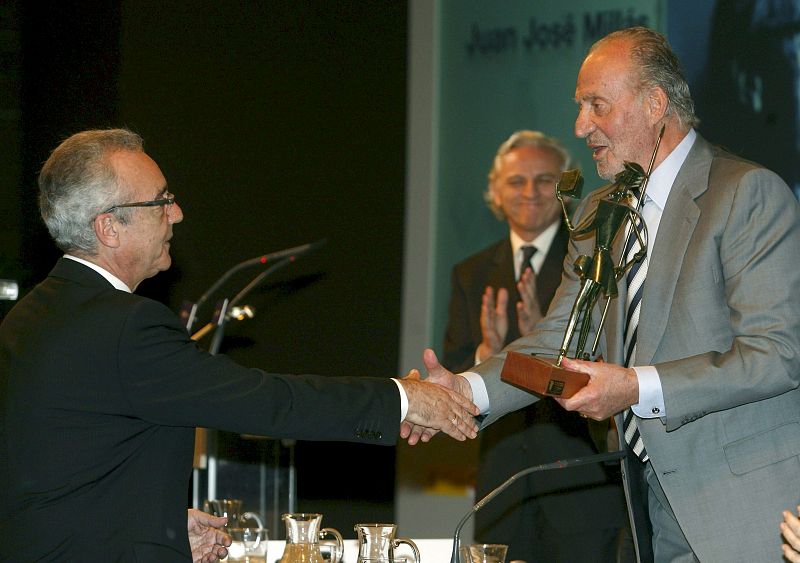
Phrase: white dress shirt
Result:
[542,243]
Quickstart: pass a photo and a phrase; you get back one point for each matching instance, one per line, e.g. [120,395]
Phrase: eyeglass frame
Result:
[166,199]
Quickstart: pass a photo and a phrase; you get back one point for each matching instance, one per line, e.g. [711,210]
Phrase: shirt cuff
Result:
[403,400]
[651,395]
[480,397]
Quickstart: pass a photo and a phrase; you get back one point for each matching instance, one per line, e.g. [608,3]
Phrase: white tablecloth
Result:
[430,550]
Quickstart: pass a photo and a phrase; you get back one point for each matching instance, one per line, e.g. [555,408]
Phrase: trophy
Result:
[597,273]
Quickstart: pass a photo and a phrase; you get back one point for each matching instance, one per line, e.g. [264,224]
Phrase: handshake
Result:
[443,401]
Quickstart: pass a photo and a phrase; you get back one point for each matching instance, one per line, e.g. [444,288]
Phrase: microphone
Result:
[560,464]
[271,259]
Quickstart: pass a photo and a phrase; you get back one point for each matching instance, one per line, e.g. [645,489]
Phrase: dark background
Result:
[276,124]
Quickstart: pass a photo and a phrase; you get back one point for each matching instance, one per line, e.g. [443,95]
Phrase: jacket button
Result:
[656,410]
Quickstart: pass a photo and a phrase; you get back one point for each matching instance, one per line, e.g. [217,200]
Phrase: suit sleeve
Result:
[169,380]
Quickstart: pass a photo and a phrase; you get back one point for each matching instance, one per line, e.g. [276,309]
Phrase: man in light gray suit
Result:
[706,388]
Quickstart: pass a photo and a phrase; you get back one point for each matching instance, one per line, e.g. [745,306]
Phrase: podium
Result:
[258,470]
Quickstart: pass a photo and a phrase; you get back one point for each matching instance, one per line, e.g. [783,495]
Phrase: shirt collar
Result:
[542,242]
[662,178]
[112,279]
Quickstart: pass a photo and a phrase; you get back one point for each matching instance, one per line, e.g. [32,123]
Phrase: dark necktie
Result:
[635,278]
[527,253]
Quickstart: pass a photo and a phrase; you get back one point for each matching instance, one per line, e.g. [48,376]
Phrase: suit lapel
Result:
[678,222]
[549,277]
[502,275]
[502,271]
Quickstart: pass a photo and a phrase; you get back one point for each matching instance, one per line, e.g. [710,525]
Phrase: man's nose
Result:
[529,189]
[583,124]
[175,213]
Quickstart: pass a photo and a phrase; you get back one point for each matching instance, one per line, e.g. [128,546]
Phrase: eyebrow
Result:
[590,97]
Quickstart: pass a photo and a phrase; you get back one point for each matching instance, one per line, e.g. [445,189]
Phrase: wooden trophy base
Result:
[541,375]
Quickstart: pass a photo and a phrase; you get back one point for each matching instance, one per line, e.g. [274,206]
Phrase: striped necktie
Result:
[635,278]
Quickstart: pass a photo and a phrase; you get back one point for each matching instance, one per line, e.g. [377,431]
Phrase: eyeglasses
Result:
[166,199]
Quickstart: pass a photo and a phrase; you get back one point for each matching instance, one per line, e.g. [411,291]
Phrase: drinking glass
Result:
[249,545]
[483,553]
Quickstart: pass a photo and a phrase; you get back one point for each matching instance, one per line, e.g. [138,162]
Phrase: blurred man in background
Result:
[498,295]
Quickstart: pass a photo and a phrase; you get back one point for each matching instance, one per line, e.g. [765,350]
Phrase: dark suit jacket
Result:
[100,391]
[541,516]
[492,266]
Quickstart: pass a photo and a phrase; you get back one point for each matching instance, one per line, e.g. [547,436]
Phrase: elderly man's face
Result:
[525,189]
[144,248]
[613,114]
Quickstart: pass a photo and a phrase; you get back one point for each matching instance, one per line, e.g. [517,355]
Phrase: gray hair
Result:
[519,139]
[78,182]
[658,66]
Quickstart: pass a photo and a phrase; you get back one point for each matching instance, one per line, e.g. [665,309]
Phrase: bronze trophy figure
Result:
[597,274]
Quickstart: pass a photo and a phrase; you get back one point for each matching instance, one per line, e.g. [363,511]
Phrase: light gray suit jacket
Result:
[720,321]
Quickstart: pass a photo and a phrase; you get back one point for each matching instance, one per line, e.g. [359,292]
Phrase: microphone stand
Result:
[275,261]
[560,464]
[227,306]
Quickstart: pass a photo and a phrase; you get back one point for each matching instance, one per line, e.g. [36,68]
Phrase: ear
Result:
[106,229]
[495,193]
[658,104]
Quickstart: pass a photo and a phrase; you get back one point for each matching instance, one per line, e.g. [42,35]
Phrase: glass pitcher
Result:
[376,543]
[302,539]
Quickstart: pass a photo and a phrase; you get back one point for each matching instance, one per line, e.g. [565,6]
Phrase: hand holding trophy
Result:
[619,204]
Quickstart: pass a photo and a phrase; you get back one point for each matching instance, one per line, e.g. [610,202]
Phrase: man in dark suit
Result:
[497,295]
[100,389]
[702,353]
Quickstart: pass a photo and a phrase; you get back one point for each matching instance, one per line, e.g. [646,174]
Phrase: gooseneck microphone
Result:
[560,464]
[272,260]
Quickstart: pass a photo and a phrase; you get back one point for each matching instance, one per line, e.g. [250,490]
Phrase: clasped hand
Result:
[443,401]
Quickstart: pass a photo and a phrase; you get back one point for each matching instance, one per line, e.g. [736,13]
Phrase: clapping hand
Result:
[529,312]
[494,322]
[494,314]
[790,528]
